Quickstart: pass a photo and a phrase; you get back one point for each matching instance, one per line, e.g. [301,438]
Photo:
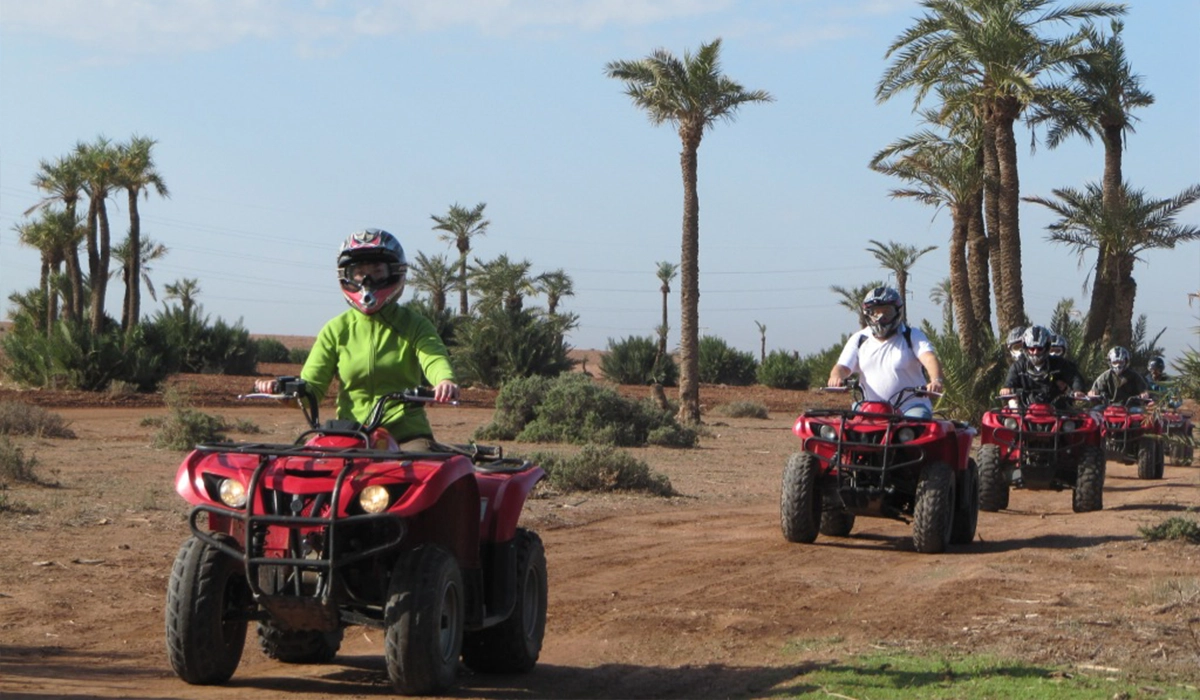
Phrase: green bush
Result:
[298,356]
[721,364]
[971,384]
[602,468]
[24,419]
[73,357]
[631,361]
[783,370]
[571,408]
[191,345]
[16,467]
[500,346]
[819,364]
[1182,529]
[185,427]
[270,350]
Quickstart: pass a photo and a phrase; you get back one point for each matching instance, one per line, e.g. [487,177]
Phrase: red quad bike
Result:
[341,528]
[874,461]
[1132,434]
[1177,431]
[1038,446]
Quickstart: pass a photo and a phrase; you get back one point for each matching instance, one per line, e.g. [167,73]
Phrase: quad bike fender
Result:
[189,479]
[502,498]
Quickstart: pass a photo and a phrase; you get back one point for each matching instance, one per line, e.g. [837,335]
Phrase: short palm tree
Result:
[692,94]
[460,225]
[555,284]
[1120,237]
[434,276]
[150,251]
[99,165]
[62,181]
[501,284]
[56,235]
[185,290]
[666,274]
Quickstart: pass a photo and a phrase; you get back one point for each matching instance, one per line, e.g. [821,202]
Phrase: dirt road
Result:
[696,596]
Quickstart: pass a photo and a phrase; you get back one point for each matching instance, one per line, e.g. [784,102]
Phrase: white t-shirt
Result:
[885,367]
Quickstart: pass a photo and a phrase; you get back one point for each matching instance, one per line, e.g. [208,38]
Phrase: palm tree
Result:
[62,180]
[852,299]
[1138,224]
[987,55]
[555,284]
[501,283]
[56,236]
[899,258]
[692,94]
[137,175]
[762,345]
[98,162]
[434,276]
[666,274]
[185,290]
[461,225]
[944,171]
[942,294]
[150,251]
[1104,91]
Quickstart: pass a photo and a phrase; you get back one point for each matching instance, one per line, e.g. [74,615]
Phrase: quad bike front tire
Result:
[424,614]
[1147,458]
[513,646]
[800,500]
[966,505]
[1161,464]
[298,647]
[933,515]
[208,599]
[993,482]
[1088,494]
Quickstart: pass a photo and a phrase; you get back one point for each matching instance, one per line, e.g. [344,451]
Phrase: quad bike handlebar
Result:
[297,389]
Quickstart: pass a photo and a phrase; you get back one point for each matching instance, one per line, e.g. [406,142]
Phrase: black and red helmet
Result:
[370,246]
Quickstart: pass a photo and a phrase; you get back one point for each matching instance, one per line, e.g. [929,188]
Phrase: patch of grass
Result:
[245,426]
[1173,528]
[812,644]
[601,468]
[9,505]
[743,409]
[18,418]
[898,676]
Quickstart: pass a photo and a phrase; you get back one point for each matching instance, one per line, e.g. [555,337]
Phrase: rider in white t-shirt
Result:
[889,356]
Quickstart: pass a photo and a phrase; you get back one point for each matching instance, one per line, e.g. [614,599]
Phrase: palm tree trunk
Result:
[462,282]
[100,276]
[1124,292]
[1010,309]
[991,215]
[902,288]
[960,285]
[689,285]
[1113,191]
[1099,311]
[977,259]
[133,267]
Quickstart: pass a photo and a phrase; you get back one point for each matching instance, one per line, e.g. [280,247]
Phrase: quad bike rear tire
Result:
[993,482]
[800,500]
[298,647]
[424,614]
[933,515]
[966,505]
[836,523]
[207,603]
[1147,459]
[1088,494]
[513,646]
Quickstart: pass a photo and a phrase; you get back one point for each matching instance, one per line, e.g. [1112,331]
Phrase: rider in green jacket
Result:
[377,346]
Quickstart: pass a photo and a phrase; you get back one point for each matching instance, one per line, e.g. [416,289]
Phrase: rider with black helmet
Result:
[1039,377]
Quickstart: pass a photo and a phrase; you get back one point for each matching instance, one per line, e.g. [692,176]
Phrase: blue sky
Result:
[283,126]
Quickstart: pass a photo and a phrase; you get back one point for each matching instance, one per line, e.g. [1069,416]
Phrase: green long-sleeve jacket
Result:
[392,350]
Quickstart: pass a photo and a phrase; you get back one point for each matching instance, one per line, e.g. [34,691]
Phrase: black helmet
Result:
[1037,345]
[882,324]
[1157,364]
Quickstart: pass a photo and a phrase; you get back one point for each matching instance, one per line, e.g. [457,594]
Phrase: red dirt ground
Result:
[696,596]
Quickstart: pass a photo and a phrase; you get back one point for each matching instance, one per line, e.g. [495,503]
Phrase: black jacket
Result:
[1058,377]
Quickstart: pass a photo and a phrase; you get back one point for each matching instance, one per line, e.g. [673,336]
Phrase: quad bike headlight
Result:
[374,499]
[906,434]
[828,432]
[1010,423]
[232,493]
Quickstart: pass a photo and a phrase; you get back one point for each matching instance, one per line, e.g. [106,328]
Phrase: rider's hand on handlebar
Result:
[445,392]
[266,386]
[935,385]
